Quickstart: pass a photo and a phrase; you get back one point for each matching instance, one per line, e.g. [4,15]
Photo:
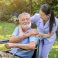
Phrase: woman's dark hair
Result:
[47,10]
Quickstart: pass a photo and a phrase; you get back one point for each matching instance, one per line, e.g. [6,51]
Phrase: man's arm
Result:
[29,46]
[33,42]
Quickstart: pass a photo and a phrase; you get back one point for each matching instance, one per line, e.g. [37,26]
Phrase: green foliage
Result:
[54,6]
[35,7]
[56,10]
[9,7]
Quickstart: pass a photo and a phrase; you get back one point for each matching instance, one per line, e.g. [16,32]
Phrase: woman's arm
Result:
[45,35]
[14,39]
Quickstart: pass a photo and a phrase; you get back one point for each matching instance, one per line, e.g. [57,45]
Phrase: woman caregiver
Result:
[46,24]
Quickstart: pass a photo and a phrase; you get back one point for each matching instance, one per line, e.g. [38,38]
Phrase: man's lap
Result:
[7,55]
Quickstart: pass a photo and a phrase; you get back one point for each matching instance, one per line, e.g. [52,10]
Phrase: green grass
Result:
[54,52]
[7,29]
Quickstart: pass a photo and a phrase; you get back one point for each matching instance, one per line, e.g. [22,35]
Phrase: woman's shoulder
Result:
[37,15]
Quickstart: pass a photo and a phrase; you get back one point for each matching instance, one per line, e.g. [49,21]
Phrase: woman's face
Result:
[43,15]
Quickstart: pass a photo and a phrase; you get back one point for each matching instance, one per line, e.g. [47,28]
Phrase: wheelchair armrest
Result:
[3,41]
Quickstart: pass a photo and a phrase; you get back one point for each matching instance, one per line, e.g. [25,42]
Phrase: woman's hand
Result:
[38,35]
[48,35]
[34,32]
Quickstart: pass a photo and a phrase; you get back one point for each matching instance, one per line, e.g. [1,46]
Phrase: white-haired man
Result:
[22,45]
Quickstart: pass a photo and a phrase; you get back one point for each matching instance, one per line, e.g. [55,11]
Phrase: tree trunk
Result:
[30,3]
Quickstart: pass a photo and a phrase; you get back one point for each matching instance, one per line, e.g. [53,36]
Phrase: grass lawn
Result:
[6,29]
[54,52]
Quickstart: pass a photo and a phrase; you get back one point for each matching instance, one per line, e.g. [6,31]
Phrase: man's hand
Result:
[10,45]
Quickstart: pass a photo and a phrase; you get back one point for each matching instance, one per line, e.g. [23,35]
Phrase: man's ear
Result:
[19,21]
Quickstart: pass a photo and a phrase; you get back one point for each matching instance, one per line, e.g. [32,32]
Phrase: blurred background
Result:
[10,9]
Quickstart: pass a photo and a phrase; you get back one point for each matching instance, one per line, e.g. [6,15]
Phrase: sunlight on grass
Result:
[3,47]
[4,37]
[56,46]
[54,53]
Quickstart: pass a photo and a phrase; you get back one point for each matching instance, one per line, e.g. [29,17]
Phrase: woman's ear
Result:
[49,15]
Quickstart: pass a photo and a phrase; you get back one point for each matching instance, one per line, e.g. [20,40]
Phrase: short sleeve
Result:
[55,26]
[16,31]
[56,20]
[33,39]
[54,29]
[34,18]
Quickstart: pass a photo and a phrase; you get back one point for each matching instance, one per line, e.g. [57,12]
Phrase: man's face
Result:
[25,21]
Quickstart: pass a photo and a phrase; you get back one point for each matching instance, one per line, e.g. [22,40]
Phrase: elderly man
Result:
[22,45]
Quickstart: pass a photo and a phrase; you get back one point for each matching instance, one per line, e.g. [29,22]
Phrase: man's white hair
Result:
[23,14]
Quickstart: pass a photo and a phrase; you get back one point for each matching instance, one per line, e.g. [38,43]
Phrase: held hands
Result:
[34,32]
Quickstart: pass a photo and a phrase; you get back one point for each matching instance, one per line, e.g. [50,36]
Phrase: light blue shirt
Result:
[45,28]
[21,52]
